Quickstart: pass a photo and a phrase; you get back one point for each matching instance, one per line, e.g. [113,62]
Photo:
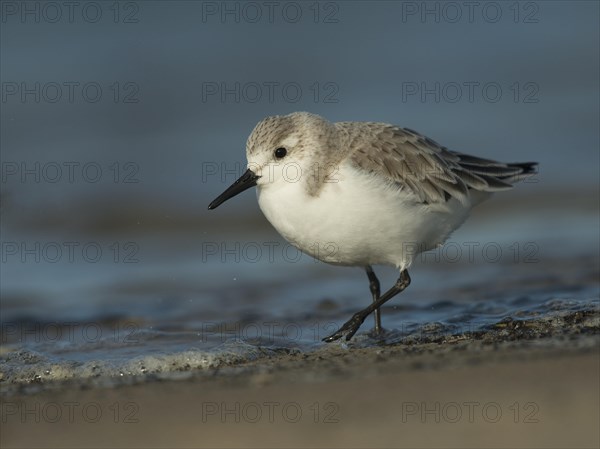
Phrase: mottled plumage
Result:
[375,193]
[404,157]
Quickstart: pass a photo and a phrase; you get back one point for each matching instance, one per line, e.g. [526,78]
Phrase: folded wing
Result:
[430,171]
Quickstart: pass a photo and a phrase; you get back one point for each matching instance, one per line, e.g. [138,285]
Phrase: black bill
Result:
[247,180]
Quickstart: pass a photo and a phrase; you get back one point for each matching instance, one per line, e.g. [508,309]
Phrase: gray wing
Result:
[432,172]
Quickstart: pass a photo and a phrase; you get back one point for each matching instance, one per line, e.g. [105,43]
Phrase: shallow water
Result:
[125,276]
[178,305]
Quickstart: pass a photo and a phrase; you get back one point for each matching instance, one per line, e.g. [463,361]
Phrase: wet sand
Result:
[525,375]
[522,384]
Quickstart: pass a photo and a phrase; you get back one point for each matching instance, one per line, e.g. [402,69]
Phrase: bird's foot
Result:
[378,333]
[348,329]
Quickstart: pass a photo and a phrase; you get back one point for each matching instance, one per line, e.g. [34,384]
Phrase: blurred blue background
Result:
[360,61]
[119,124]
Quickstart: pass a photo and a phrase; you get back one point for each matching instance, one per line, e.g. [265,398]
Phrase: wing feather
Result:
[430,171]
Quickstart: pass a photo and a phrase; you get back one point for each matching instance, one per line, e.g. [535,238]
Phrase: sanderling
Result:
[363,193]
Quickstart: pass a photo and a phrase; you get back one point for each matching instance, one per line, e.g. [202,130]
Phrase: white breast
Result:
[358,220]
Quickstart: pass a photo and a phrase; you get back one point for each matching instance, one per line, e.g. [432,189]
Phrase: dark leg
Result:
[375,291]
[351,326]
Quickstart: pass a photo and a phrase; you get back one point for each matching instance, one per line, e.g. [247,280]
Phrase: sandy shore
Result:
[540,392]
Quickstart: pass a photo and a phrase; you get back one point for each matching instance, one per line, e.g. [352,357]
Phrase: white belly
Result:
[358,220]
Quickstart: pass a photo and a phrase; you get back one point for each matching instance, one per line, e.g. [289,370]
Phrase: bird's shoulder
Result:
[405,158]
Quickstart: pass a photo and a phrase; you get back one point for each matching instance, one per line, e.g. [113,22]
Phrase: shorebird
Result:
[376,193]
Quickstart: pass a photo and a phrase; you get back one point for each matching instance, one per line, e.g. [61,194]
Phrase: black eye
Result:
[280,153]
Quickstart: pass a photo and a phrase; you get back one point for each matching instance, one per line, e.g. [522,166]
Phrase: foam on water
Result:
[148,354]
[175,314]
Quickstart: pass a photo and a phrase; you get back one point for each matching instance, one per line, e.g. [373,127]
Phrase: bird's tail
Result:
[497,175]
[520,171]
